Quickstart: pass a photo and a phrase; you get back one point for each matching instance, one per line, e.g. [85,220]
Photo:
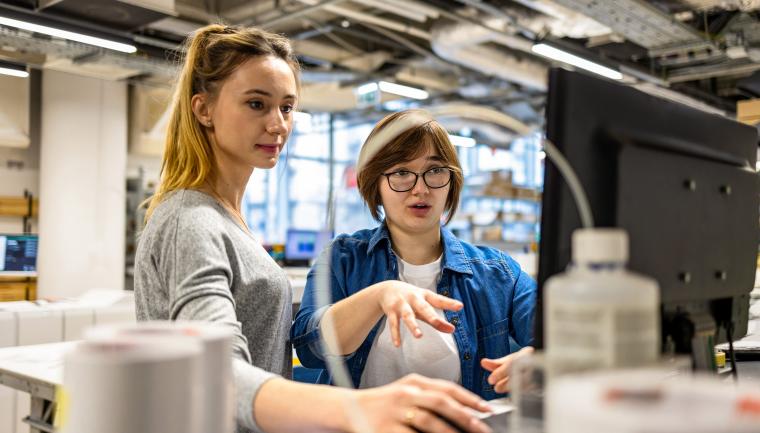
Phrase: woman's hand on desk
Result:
[501,368]
[417,403]
[404,302]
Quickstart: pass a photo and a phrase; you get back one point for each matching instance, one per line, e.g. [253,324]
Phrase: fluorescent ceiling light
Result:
[78,37]
[579,62]
[13,71]
[458,140]
[367,88]
[405,91]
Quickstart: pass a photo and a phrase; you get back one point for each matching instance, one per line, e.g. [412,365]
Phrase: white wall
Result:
[14,112]
[82,184]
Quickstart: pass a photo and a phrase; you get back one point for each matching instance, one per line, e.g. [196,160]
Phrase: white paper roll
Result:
[132,385]
[217,387]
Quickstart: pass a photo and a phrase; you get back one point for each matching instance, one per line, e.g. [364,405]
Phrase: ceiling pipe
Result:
[482,113]
[463,44]
[394,9]
[296,14]
[382,22]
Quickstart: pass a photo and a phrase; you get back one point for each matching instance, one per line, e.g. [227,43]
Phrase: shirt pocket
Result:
[493,343]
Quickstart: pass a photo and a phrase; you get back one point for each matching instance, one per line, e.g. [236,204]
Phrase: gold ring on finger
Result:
[409,416]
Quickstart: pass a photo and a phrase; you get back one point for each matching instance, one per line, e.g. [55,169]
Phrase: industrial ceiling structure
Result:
[482,52]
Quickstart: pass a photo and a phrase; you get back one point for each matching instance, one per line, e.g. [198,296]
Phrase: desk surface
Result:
[36,369]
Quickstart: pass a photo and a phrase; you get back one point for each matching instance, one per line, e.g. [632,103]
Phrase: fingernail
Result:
[483,405]
[491,380]
[417,332]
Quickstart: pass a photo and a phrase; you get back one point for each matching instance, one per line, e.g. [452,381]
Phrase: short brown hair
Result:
[408,145]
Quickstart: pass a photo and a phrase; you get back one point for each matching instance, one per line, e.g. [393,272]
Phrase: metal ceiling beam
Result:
[295,14]
[638,21]
[382,22]
[740,67]
[24,41]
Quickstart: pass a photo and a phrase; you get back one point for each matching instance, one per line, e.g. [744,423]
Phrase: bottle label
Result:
[583,337]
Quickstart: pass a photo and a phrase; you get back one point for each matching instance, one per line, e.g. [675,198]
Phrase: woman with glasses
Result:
[408,296]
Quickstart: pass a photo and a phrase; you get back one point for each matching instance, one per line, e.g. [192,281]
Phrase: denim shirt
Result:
[499,301]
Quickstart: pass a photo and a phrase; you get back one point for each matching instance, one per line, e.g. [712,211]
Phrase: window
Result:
[295,194]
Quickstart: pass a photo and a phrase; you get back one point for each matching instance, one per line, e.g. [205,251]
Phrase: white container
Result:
[651,401]
[217,387]
[132,385]
[597,313]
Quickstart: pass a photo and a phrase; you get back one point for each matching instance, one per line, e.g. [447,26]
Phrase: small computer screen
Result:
[18,254]
[306,244]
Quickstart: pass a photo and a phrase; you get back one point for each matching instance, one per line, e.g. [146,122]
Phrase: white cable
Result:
[576,189]
[335,365]
[488,114]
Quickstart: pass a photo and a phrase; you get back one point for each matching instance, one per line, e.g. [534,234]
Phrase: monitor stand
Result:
[703,343]
[692,332]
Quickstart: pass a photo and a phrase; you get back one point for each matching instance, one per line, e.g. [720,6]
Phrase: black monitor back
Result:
[681,181]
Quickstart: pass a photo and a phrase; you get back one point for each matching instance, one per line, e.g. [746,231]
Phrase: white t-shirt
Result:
[435,354]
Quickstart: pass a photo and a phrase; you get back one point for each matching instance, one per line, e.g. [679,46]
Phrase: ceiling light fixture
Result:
[579,62]
[401,90]
[366,88]
[78,37]
[13,69]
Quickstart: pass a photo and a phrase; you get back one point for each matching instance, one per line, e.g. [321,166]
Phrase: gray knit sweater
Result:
[194,262]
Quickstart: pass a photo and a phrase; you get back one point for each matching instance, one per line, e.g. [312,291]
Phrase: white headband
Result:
[393,129]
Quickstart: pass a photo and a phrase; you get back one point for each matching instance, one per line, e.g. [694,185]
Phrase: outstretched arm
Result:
[414,403]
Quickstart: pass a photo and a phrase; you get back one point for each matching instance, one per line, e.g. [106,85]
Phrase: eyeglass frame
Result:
[417,178]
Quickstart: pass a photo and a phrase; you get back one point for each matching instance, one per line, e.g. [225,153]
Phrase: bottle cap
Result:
[600,245]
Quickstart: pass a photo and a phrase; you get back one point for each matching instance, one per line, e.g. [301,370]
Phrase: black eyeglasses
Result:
[405,180]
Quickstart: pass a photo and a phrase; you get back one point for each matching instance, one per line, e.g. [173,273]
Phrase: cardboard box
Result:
[748,111]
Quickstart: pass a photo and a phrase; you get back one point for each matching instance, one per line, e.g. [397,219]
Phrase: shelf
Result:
[18,288]
[17,206]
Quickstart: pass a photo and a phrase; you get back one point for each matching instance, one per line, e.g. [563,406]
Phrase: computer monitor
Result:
[18,255]
[302,246]
[680,181]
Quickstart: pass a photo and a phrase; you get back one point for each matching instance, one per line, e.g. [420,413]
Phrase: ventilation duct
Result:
[123,15]
[367,62]
[14,112]
[150,109]
[559,21]
[743,5]
[639,22]
[465,44]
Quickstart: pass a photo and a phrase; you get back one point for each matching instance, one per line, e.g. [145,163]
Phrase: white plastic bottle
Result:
[597,313]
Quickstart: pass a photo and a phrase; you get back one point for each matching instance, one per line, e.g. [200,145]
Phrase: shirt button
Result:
[467,356]
[445,293]
[455,321]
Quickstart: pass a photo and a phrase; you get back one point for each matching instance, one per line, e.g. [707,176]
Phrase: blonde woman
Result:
[196,260]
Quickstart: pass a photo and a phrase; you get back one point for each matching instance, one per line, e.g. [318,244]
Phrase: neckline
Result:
[227,213]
